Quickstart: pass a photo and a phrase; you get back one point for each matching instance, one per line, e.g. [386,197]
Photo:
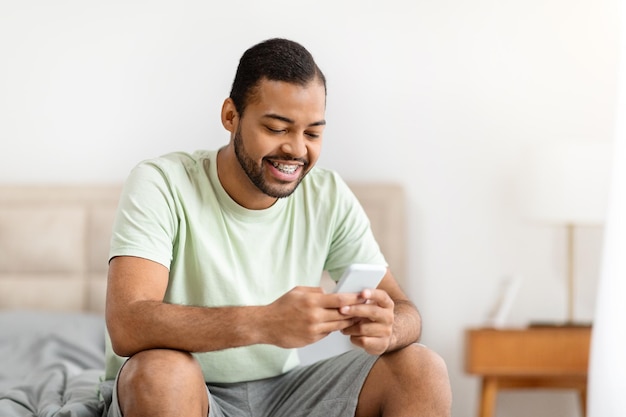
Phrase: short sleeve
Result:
[146,222]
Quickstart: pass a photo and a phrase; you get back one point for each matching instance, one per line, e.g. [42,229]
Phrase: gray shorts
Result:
[327,388]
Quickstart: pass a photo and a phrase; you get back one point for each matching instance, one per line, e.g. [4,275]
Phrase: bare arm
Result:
[407,325]
[138,318]
[389,322]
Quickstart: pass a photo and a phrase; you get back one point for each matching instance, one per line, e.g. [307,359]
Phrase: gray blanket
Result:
[50,364]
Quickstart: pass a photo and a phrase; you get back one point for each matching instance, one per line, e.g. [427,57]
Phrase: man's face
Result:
[278,139]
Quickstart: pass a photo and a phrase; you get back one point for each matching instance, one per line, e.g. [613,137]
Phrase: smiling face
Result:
[274,144]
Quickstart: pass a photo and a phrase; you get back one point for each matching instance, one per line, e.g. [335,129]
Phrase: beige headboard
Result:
[54,241]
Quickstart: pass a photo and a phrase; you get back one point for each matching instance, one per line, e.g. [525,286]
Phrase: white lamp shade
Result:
[567,183]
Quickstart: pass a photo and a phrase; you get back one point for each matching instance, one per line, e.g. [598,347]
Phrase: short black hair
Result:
[275,59]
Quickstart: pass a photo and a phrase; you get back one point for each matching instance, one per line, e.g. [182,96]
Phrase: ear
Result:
[229,113]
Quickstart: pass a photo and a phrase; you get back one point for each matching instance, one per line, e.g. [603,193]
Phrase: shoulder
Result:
[174,163]
[166,178]
[172,169]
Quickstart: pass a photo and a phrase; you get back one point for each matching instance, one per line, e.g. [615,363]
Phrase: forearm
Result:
[138,319]
[407,325]
[145,325]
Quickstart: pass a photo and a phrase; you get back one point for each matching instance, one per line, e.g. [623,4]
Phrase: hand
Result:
[373,330]
[305,315]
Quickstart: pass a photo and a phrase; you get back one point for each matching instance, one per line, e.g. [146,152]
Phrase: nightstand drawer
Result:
[531,351]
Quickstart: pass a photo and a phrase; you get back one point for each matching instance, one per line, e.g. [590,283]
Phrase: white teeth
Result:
[287,169]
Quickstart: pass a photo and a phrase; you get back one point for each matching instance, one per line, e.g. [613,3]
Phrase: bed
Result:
[53,264]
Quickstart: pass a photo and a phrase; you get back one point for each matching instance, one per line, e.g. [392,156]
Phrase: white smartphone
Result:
[358,277]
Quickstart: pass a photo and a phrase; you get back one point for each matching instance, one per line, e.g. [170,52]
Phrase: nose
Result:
[294,145]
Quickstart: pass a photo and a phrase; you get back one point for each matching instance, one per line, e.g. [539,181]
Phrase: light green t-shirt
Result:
[174,211]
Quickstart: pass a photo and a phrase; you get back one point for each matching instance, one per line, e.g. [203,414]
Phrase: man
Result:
[215,265]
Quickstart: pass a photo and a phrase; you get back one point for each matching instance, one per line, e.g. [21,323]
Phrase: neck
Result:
[237,184]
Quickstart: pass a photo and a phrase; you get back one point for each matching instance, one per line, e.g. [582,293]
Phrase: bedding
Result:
[51,364]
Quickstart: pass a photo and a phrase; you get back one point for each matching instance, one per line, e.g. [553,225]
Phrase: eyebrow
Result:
[290,121]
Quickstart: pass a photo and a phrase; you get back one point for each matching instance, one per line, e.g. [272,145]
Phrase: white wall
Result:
[442,96]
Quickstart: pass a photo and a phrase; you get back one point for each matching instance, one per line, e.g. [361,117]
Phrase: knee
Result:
[421,370]
[431,363]
[418,361]
[158,372]
[161,363]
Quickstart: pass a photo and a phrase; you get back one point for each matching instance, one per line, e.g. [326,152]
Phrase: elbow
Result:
[120,343]
[122,348]
[122,336]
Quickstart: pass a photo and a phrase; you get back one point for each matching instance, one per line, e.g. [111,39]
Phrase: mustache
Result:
[287,158]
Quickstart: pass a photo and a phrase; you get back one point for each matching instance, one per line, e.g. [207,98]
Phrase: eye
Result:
[313,135]
[274,130]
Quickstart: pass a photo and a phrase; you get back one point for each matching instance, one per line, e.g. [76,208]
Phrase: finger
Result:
[328,315]
[371,312]
[368,328]
[334,326]
[379,297]
[372,345]
[339,300]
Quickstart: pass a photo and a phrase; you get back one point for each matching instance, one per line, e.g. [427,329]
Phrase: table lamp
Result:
[567,185]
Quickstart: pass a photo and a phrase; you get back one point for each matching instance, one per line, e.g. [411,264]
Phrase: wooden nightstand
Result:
[554,357]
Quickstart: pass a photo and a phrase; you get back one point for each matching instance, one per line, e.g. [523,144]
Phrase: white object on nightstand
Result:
[509,288]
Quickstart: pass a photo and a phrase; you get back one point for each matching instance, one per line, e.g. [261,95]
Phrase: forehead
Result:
[280,97]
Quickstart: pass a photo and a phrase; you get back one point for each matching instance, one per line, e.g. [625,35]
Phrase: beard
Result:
[256,172]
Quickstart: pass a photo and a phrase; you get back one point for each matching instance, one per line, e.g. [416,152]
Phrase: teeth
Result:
[287,169]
